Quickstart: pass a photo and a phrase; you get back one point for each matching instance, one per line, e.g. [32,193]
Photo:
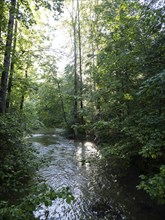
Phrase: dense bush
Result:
[141,137]
[18,162]
[15,155]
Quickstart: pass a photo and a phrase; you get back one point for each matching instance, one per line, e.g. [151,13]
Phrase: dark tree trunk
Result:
[22,101]
[11,67]
[23,94]
[4,77]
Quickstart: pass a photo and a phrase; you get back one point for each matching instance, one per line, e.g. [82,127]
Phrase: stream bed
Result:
[97,191]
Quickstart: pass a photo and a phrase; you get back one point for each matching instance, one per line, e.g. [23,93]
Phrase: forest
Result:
[110,90]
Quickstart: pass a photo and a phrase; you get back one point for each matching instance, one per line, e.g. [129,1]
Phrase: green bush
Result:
[39,194]
[154,185]
[17,157]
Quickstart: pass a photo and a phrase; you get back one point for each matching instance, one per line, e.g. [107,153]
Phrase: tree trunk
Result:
[22,101]
[12,67]
[23,94]
[75,66]
[95,49]
[4,76]
[80,59]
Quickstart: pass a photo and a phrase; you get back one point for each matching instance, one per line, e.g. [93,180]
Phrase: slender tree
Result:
[80,58]
[9,88]
[23,92]
[74,22]
[7,56]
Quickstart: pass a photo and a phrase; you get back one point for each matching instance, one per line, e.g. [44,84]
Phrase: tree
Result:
[80,58]
[25,16]
[7,56]
[74,22]
[12,63]
[123,65]
[131,73]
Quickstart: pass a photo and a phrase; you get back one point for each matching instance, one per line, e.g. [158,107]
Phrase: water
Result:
[97,191]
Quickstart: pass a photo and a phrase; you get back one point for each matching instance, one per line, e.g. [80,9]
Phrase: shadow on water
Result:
[98,192]
[45,140]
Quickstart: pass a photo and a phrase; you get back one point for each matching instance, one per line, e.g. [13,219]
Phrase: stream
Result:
[97,191]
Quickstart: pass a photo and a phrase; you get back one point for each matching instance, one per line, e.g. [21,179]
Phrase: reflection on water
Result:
[44,140]
[98,195]
[86,153]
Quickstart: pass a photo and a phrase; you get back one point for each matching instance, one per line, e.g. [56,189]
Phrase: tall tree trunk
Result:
[22,101]
[23,94]
[12,66]
[80,58]
[4,77]
[93,57]
[75,65]
[97,77]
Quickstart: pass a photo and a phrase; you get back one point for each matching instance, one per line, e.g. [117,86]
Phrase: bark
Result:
[96,76]
[22,101]
[75,78]
[4,76]
[80,58]
[23,94]
[12,67]
[75,67]
[93,58]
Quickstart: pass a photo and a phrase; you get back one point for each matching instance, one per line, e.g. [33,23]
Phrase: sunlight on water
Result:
[88,149]
[98,194]
[89,144]
[37,135]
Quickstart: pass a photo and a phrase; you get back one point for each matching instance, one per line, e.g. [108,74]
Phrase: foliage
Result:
[39,195]
[122,87]
[128,94]
[49,113]
[154,185]
[16,154]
